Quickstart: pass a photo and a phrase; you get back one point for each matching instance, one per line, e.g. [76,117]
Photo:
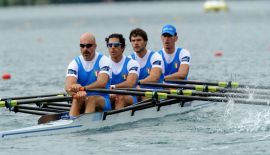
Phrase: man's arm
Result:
[133,68]
[183,70]
[71,85]
[180,74]
[70,81]
[103,75]
[101,82]
[130,82]
[154,75]
[156,70]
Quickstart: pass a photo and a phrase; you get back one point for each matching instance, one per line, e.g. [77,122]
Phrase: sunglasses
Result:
[110,45]
[86,45]
[166,35]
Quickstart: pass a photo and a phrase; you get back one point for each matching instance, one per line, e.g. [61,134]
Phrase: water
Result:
[37,43]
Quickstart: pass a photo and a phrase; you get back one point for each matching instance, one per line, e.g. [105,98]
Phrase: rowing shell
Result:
[104,119]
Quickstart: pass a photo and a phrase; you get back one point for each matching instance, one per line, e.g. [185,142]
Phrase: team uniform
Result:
[173,61]
[150,60]
[87,72]
[121,70]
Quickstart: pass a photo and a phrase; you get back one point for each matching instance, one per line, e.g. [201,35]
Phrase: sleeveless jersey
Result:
[145,71]
[173,66]
[86,78]
[122,76]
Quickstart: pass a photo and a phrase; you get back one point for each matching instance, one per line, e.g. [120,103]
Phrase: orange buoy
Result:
[218,53]
[6,76]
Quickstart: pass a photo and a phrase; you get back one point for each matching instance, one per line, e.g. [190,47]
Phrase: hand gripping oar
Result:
[198,93]
[12,103]
[224,84]
[204,88]
[34,96]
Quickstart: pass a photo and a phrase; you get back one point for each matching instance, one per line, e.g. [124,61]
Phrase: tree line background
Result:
[5,3]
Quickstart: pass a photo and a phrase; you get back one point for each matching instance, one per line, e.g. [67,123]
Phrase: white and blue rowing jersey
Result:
[87,72]
[121,69]
[173,61]
[150,60]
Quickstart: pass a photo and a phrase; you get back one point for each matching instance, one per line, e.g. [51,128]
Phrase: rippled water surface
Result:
[37,43]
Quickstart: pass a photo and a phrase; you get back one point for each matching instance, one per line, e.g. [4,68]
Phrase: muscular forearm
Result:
[175,76]
[100,83]
[154,76]
[180,74]
[130,82]
[150,79]
[96,84]
[70,81]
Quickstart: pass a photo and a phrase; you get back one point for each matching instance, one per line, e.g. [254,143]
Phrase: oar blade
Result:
[49,118]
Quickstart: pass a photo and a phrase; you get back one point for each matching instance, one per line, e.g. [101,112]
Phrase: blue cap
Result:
[170,29]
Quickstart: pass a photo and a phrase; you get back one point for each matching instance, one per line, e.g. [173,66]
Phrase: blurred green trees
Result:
[39,2]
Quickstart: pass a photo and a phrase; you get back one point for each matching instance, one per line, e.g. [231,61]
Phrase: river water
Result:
[37,43]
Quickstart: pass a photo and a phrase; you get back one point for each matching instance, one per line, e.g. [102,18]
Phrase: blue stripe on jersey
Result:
[86,78]
[172,67]
[122,76]
[145,71]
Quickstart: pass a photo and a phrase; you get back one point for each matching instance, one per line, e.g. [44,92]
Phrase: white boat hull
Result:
[96,120]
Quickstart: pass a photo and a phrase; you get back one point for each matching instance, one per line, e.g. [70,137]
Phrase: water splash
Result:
[229,109]
[251,122]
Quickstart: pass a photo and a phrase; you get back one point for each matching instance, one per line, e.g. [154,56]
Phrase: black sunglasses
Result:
[166,35]
[113,44]
[86,45]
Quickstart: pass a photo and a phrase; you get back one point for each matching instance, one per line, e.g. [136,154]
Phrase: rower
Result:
[89,70]
[176,60]
[151,63]
[125,71]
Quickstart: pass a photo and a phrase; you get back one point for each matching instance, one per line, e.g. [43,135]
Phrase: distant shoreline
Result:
[8,3]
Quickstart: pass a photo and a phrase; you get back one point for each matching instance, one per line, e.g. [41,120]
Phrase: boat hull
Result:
[102,119]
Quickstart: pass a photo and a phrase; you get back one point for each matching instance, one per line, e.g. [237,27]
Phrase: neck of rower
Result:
[169,50]
[142,53]
[117,59]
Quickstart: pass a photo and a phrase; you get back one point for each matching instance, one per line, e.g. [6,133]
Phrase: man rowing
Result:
[125,71]
[176,60]
[151,63]
[89,70]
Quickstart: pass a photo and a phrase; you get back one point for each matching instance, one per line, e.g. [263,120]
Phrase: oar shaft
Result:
[35,112]
[121,92]
[194,93]
[19,107]
[11,103]
[59,108]
[197,82]
[203,88]
[219,99]
[33,96]
[225,84]
[184,97]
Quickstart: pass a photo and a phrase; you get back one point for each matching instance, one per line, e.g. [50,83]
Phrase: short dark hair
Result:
[138,32]
[119,36]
